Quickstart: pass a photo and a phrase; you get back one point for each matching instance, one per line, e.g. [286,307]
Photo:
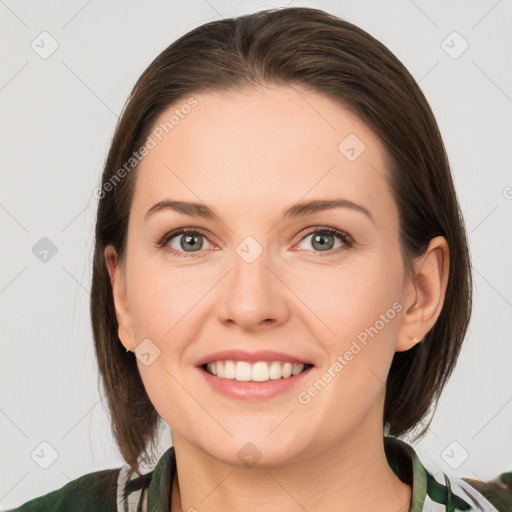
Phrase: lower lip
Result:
[254,390]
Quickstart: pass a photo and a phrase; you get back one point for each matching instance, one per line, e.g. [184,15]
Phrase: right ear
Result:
[118,282]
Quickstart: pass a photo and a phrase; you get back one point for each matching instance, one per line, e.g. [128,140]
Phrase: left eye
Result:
[325,239]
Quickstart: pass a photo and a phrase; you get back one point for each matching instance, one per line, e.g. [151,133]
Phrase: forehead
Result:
[260,147]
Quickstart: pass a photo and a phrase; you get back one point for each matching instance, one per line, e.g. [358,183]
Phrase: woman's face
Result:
[273,287]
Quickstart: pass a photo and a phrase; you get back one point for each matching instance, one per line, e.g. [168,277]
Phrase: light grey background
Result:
[58,116]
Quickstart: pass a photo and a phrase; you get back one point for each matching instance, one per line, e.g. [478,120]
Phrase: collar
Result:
[151,492]
[448,494]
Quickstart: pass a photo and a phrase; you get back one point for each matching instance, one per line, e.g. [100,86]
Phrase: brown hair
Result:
[311,48]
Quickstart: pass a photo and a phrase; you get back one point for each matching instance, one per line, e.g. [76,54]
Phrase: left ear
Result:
[424,294]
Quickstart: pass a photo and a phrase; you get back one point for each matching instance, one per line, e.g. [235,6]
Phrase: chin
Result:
[255,450]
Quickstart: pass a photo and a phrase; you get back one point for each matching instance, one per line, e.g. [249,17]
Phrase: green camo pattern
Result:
[116,490]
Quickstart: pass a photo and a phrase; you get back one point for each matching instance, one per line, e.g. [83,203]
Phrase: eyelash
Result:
[348,240]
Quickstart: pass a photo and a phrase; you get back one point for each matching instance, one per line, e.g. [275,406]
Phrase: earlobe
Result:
[424,297]
[119,294]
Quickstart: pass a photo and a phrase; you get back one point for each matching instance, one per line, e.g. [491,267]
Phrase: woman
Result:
[281,274]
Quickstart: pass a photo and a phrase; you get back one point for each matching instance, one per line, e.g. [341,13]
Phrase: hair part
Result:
[313,49]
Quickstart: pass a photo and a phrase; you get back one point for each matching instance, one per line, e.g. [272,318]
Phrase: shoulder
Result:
[464,493]
[434,490]
[497,491]
[94,491]
[110,490]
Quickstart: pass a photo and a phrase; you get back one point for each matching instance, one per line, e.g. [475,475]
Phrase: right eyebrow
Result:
[187,208]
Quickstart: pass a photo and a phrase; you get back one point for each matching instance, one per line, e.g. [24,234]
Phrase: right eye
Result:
[183,241]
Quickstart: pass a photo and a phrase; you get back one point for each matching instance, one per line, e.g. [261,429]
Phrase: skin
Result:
[248,155]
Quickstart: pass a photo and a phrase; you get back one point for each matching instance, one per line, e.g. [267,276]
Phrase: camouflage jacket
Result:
[118,490]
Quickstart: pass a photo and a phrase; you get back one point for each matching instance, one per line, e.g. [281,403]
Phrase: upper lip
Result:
[241,355]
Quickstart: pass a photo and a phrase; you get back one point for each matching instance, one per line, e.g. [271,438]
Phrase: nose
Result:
[252,295]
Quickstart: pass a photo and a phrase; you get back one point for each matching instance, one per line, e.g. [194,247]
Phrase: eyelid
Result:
[165,239]
[347,239]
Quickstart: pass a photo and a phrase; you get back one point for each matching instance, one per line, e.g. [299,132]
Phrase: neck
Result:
[352,475]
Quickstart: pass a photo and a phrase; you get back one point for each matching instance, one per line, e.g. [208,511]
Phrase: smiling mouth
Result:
[260,371]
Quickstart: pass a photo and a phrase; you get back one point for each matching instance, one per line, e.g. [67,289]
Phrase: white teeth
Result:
[297,368]
[243,371]
[229,370]
[260,371]
[287,370]
[212,368]
[275,370]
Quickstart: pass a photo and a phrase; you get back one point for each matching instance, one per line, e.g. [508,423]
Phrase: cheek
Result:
[163,300]
[165,307]
[352,297]
[359,307]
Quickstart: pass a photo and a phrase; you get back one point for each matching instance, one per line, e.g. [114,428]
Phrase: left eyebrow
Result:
[314,206]
[297,210]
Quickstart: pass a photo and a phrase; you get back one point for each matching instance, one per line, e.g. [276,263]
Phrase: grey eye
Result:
[322,241]
[187,242]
